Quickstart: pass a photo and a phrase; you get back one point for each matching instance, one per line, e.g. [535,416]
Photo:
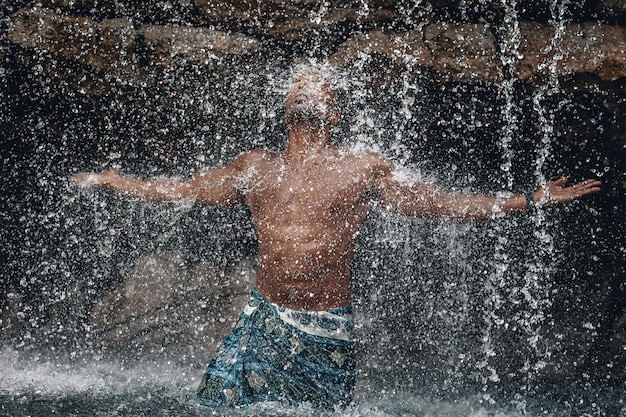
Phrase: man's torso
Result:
[307,215]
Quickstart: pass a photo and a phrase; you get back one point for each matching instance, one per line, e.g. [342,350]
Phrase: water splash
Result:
[439,302]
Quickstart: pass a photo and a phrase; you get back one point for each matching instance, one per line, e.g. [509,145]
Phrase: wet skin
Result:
[309,201]
[307,214]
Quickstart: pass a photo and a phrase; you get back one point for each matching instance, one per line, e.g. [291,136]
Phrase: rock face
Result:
[459,52]
[469,53]
[104,46]
[164,306]
[114,47]
[581,48]
[466,52]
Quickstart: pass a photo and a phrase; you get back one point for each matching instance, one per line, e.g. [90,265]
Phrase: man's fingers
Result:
[80,177]
[92,179]
[560,193]
[560,182]
[590,190]
[588,184]
[85,178]
[592,183]
[585,187]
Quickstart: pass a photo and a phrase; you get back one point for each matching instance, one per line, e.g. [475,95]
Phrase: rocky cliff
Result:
[128,43]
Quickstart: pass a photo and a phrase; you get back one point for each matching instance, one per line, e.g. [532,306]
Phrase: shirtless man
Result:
[308,202]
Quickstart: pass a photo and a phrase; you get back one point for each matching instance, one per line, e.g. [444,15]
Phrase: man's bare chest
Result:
[315,187]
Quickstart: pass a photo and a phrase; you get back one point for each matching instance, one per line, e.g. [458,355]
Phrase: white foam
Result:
[50,376]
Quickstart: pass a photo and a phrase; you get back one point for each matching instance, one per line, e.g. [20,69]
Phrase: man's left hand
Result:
[557,192]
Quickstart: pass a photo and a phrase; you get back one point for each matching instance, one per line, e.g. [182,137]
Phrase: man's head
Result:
[311,101]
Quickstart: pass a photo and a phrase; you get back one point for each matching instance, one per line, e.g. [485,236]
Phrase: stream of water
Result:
[453,319]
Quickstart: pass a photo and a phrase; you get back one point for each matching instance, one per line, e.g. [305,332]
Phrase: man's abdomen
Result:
[310,278]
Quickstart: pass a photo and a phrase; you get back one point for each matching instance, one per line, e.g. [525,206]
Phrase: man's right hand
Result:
[96,180]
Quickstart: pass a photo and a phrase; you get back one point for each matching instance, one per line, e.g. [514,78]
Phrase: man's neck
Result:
[305,141]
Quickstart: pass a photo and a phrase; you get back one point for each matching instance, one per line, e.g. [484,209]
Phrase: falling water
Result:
[453,318]
[499,278]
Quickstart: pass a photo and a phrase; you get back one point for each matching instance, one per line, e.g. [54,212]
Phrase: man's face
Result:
[311,100]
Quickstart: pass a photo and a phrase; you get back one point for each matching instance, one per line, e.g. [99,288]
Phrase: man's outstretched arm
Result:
[217,186]
[407,195]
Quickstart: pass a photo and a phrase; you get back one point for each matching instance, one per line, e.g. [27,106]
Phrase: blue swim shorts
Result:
[279,354]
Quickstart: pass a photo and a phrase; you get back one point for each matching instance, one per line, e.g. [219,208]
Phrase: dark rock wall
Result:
[477,95]
[130,51]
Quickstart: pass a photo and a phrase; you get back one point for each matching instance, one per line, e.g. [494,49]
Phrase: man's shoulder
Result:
[370,159]
[253,157]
